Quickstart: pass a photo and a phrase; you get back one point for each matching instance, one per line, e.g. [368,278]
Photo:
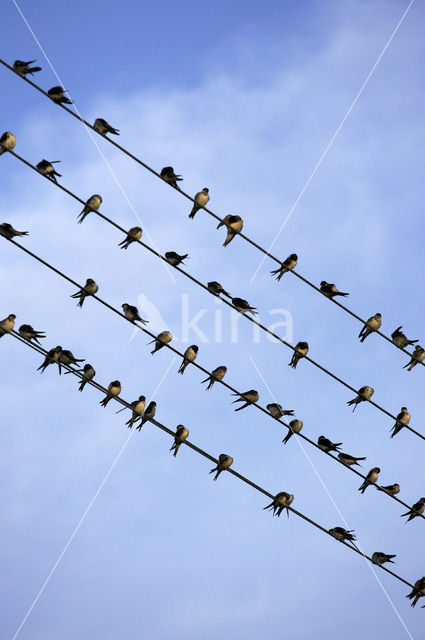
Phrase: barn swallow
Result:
[180,436]
[243,306]
[132,314]
[216,289]
[57,94]
[174,259]
[289,263]
[379,558]
[281,501]
[201,199]
[371,478]
[301,350]
[224,462]
[248,397]
[103,127]
[418,355]
[24,68]
[328,446]
[47,169]
[364,393]
[417,592]
[234,226]
[7,231]
[330,290]
[277,411]
[400,339]
[133,235]
[342,534]
[168,175]
[161,340]
[216,375]
[92,204]
[88,374]
[7,142]
[392,489]
[147,415]
[349,460]
[189,356]
[67,357]
[138,407]
[7,325]
[89,289]
[28,333]
[416,511]
[295,427]
[114,390]
[403,419]
[371,325]
[52,357]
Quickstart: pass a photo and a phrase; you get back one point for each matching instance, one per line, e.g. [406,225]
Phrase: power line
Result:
[209,211]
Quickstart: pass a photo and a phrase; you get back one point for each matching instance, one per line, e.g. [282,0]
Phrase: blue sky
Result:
[242,99]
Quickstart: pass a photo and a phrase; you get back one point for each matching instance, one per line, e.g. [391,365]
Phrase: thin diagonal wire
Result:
[205,371]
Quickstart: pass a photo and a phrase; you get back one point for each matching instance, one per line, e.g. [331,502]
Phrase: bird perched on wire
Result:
[7,325]
[52,357]
[224,462]
[400,339]
[364,394]
[249,397]
[28,333]
[403,419]
[216,289]
[161,340]
[138,407]
[148,414]
[418,355]
[134,234]
[47,169]
[132,314]
[277,411]
[215,375]
[168,175]
[7,142]
[287,265]
[349,460]
[371,478]
[114,390]
[379,558]
[24,68]
[371,325]
[201,199]
[300,351]
[330,290]
[417,592]
[189,356]
[416,511]
[243,306]
[88,374]
[67,358]
[234,226]
[57,94]
[89,289]
[180,436]
[92,204]
[103,127]
[281,501]
[174,258]
[341,534]
[295,427]
[392,489]
[327,445]
[7,231]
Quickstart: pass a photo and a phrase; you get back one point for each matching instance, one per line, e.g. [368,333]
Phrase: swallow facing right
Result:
[379,558]
[114,390]
[161,340]
[7,325]
[88,374]
[174,259]
[371,325]
[234,226]
[7,142]
[418,355]
[28,333]
[371,478]
[138,407]
[330,290]
[392,489]
[201,199]
[289,263]
[148,414]
[180,436]
[341,534]
[134,234]
[403,419]
[281,501]
[216,289]
[364,393]
[24,68]
[349,460]
[89,289]
[326,445]
[103,127]
[132,314]
[277,411]
[295,427]
[52,357]
[92,204]
[249,397]
[416,511]
[7,231]
[301,350]
[189,356]
[47,169]
[400,339]
[216,375]
[168,175]
[57,94]
[243,306]
[224,462]
[417,592]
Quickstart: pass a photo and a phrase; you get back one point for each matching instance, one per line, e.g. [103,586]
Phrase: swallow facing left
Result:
[379,558]
[24,68]
[249,397]
[47,169]
[400,339]
[138,407]
[7,142]
[189,356]
[234,226]
[403,419]
[89,289]
[114,390]
[201,199]
[216,375]
[277,411]
[287,265]
[134,234]
[52,357]
[281,501]
[295,427]
[57,94]
[168,175]
[392,489]
[148,414]
[7,325]
[174,259]
[371,325]
[342,534]
[371,478]
[88,374]
[418,355]
[180,436]
[416,511]
[224,462]
[330,290]
[349,460]
[132,314]
[161,340]
[67,358]
[326,445]
[92,204]
[417,592]
[364,393]
[103,127]
[243,306]
[7,231]
[300,351]
[28,333]
[216,289]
